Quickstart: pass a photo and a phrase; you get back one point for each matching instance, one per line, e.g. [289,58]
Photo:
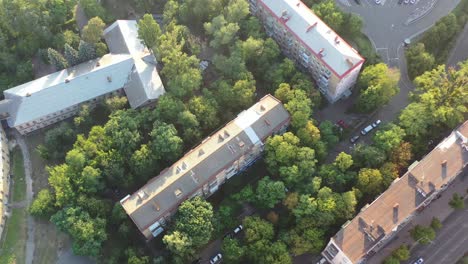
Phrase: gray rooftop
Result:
[193,170]
[129,65]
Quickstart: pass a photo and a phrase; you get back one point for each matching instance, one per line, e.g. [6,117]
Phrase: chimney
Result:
[142,194]
[311,26]
[321,54]
[262,108]
[298,4]
[220,137]
[444,163]
[337,40]
[109,79]
[98,64]
[67,80]
[349,62]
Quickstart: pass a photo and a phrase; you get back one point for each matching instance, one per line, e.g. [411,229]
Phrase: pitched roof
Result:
[405,195]
[145,83]
[67,88]
[193,170]
[315,34]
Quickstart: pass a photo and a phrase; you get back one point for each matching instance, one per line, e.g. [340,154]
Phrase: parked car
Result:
[366,130]
[376,123]
[419,261]
[342,123]
[238,229]
[354,139]
[216,258]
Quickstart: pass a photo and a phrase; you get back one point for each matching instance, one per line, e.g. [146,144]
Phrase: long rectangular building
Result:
[304,37]
[378,222]
[204,168]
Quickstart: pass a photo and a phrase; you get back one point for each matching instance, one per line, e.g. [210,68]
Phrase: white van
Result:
[367,129]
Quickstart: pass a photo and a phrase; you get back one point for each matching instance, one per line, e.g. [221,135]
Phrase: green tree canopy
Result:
[269,192]
[92,32]
[149,32]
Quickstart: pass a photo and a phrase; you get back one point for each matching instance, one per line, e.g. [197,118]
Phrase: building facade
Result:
[381,220]
[129,69]
[203,169]
[303,37]
[4,178]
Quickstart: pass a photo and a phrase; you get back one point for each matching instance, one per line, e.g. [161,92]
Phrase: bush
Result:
[43,205]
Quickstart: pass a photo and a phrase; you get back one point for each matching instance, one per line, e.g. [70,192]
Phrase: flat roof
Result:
[405,195]
[317,36]
[186,176]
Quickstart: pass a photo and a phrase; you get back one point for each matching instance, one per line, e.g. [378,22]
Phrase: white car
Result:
[419,261]
[238,229]
[216,258]
[376,123]
[378,2]
[366,130]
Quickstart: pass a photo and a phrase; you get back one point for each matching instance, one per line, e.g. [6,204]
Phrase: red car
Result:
[342,123]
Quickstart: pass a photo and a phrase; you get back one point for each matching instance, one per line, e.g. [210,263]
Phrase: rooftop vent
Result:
[156,206]
[67,80]
[349,62]
[220,137]
[262,108]
[309,28]
[184,165]
[337,40]
[322,52]
[285,15]
[28,94]
[226,134]
[201,152]
[98,64]
[142,194]
[109,79]
[178,192]
[298,4]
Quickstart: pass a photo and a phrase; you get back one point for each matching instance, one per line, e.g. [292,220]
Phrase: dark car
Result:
[357,2]
[400,2]
[354,139]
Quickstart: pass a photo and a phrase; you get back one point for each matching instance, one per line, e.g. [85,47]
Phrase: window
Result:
[178,192]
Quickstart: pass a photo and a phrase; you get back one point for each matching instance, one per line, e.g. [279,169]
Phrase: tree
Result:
[402,155]
[402,253]
[196,12]
[88,234]
[71,55]
[169,107]
[457,201]
[328,134]
[389,173]
[93,8]
[330,14]
[115,103]
[305,238]
[309,134]
[368,156]
[57,59]
[222,31]
[391,260]
[182,73]
[57,142]
[205,110]
[84,117]
[246,194]
[269,192]
[257,229]
[61,183]
[149,32]
[92,32]
[423,235]
[389,137]
[101,49]
[291,200]
[192,227]
[370,182]
[419,60]
[353,24]
[343,161]
[86,51]
[266,252]
[436,224]
[43,205]
[232,251]
[165,144]
[378,85]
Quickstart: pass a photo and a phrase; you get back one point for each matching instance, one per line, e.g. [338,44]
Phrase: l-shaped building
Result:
[203,169]
[128,69]
[378,222]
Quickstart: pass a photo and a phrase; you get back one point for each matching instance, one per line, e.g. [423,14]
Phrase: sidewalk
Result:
[438,208]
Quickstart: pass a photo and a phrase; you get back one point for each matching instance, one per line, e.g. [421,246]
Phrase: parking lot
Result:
[383,3]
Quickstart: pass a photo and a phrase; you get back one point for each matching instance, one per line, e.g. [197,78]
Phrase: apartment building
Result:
[378,222]
[303,37]
[203,169]
[129,69]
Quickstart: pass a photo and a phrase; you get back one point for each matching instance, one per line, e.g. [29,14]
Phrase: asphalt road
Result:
[451,242]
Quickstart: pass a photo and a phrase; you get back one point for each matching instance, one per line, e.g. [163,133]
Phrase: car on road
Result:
[354,139]
[234,232]
[366,130]
[419,261]
[216,258]
[376,123]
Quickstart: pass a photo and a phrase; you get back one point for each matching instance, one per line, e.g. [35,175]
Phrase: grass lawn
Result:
[19,186]
[13,245]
